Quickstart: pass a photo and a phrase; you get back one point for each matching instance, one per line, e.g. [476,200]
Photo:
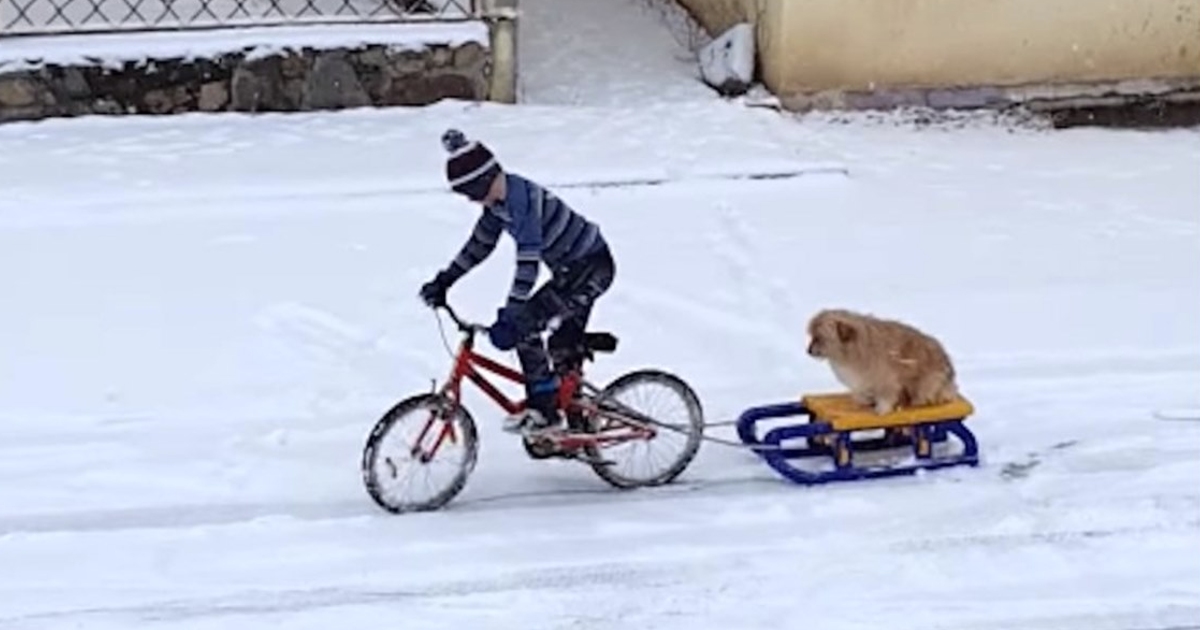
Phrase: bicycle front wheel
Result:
[419,454]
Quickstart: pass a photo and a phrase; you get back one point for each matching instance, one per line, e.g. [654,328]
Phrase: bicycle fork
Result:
[447,403]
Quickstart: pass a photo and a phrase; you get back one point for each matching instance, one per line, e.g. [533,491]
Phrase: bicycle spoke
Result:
[416,436]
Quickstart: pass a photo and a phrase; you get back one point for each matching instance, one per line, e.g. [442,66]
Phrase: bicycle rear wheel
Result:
[675,428]
[418,437]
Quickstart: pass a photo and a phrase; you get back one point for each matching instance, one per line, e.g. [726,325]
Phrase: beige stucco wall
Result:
[815,45]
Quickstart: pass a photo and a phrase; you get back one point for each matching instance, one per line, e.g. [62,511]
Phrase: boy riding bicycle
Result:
[545,230]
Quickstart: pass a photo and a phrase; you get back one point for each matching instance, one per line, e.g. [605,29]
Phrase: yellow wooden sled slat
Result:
[840,411]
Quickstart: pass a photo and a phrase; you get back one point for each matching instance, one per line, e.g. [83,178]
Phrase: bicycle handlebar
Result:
[463,326]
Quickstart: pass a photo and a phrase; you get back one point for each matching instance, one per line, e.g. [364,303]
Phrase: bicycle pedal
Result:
[547,447]
[540,449]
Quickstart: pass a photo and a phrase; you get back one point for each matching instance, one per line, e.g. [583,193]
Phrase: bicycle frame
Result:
[472,366]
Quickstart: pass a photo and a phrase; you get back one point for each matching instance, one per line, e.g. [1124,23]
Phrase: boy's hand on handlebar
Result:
[434,291]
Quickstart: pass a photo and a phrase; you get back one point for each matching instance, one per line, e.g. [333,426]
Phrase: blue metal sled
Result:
[828,434]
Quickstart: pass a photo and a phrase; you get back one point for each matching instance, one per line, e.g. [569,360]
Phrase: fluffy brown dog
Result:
[885,364]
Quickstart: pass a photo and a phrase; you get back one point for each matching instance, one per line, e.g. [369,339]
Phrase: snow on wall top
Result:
[114,49]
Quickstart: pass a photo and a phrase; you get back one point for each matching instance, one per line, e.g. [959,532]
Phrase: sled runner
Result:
[832,434]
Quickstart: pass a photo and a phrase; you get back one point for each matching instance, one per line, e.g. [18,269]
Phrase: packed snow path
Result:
[201,325]
[607,52]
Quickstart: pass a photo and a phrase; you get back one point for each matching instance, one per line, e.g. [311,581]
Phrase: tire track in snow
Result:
[1168,618]
[180,516]
[290,200]
[1054,366]
[758,289]
[300,600]
[762,481]
[997,541]
[670,568]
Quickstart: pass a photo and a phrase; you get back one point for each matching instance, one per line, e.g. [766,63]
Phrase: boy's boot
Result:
[541,409]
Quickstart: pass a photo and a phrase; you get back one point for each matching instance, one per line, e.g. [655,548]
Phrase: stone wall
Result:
[292,80]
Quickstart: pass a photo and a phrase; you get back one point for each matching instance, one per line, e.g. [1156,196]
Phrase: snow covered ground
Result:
[204,315]
[190,369]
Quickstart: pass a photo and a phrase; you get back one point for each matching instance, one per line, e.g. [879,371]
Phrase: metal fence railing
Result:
[30,17]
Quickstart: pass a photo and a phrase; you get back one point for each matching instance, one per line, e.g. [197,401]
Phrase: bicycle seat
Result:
[600,342]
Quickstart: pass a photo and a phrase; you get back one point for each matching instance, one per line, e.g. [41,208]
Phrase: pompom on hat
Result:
[471,166]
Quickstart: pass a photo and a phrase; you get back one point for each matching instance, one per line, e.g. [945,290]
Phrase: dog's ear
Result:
[845,332]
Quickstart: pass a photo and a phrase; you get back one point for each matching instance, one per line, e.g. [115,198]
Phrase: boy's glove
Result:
[506,332]
[434,291]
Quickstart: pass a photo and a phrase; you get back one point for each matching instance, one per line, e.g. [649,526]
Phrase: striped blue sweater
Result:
[544,227]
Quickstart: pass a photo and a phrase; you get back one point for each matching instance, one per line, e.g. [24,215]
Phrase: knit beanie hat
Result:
[471,167]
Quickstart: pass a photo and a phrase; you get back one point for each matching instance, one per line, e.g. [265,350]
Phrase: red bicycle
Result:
[603,430]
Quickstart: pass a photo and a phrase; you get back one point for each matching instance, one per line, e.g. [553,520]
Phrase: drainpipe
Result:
[501,17]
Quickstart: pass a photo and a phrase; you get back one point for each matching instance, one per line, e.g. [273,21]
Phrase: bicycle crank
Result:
[548,444]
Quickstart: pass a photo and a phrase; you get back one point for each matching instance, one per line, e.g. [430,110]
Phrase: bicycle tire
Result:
[694,430]
[467,432]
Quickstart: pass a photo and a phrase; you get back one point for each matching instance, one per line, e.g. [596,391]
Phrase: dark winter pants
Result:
[570,295]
